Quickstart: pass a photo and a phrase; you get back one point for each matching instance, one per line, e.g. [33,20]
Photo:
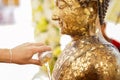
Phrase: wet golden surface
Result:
[87,59]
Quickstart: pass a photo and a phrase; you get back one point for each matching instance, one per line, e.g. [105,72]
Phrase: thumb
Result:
[35,61]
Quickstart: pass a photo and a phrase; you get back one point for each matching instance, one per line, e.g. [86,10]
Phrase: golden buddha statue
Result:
[88,56]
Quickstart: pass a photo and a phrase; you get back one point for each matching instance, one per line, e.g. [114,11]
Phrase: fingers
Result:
[36,62]
[37,47]
[34,44]
[37,44]
[40,49]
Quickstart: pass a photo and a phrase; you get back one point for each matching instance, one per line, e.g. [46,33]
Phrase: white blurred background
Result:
[22,31]
[14,34]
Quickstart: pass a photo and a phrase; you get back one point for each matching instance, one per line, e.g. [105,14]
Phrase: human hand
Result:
[23,53]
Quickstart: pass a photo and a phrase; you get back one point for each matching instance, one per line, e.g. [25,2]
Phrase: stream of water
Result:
[48,70]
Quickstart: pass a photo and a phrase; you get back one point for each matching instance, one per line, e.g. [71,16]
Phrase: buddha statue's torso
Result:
[87,59]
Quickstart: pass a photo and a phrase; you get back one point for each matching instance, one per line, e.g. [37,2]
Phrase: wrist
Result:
[10,52]
[4,55]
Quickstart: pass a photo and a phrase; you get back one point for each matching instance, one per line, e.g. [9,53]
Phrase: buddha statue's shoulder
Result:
[88,59]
